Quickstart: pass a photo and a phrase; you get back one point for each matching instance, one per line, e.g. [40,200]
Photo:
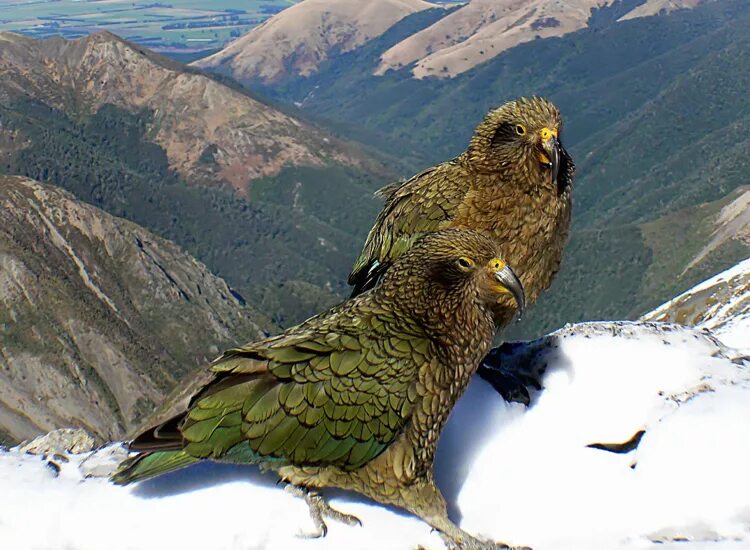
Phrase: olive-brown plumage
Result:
[513,183]
[353,398]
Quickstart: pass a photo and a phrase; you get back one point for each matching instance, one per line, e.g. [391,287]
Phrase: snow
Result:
[604,383]
[729,320]
[739,269]
[721,303]
[519,475]
[206,507]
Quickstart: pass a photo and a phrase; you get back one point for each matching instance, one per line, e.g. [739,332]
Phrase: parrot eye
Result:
[520,129]
[465,263]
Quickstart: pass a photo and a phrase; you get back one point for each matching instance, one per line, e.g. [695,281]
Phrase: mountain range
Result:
[297,41]
[245,187]
[267,181]
[306,35]
[482,29]
[654,108]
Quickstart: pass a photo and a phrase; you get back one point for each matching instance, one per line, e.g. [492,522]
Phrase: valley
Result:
[647,141]
[257,167]
[248,189]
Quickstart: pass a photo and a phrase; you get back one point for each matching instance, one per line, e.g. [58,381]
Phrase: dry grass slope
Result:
[483,29]
[296,41]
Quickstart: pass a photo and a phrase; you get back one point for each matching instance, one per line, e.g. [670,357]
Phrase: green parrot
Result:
[353,398]
[513,183]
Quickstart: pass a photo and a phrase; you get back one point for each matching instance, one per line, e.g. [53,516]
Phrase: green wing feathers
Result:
[334,391]
[337,398]
[425,203]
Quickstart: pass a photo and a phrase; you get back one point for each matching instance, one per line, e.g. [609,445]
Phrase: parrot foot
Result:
[319,510]
[424,499]
[510,381]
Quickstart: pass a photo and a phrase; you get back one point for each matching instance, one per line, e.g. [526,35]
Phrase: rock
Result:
[60,442]
[104,461]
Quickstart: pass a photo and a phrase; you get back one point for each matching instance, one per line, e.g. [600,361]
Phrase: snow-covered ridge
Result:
[524,476]
[721,304]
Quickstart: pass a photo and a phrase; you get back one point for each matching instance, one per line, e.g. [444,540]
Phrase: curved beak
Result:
[553,150]
[512,284]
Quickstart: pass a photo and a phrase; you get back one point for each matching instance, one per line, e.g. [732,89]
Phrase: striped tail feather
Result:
[151,464]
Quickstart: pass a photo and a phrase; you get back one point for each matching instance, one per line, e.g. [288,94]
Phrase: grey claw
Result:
[320,509]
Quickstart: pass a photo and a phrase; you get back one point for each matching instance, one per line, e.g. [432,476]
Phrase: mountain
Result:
[654,116]
[598,76]
[482,29]
[660,7]
[209,132]
[720,304]
[98,317]
[252,191]
[297,40]
[631,268]
[670,403]
[657,160]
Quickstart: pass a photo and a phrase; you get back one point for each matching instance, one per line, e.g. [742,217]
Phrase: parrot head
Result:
[454,267]
[522,140]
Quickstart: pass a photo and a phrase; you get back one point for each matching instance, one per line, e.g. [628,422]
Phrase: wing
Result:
[427,202]
[336,390]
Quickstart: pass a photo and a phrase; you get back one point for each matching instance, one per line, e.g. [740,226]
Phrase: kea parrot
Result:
[513,183]
[353,398]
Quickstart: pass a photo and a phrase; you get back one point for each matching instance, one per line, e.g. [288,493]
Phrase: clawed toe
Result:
[320,509]
[512,384]
[332,513]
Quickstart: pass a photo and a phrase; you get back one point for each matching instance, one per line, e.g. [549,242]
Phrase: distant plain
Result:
[172,25]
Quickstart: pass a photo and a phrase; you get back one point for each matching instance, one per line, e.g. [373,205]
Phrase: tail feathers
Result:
[163,437]
[148,465]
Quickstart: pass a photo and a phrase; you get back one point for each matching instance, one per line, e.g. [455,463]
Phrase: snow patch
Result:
[721,304]
[740,269]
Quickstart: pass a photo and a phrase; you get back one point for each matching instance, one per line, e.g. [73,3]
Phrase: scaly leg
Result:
[320,509]
[424,499]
